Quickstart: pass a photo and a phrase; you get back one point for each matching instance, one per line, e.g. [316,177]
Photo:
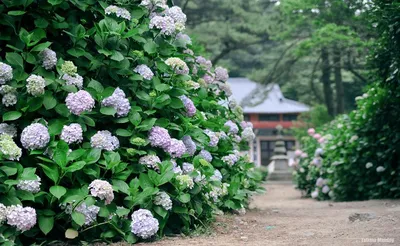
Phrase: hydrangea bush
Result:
[112,128]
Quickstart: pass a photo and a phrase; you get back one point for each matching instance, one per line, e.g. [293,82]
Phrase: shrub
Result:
[105,134]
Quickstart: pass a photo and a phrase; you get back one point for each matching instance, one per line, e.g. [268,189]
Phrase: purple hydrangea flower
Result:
[214,138]
[118,101]
[221,74]
[187,168]
[72,133]
[151,161]
[104,140]
[35,136]
[189,105]
[176,14]
[164,200]
[144,71]
[165,24]
[233,128]
[24,218]
[176,148]
[144,225]
[119,12]
[204,62]
[217,176]
[79,102]
[102,189]
[49,58]
[32,186]
[6,73]
[75,80]
[206,155]
[230,159]
[190,145]
[159,137]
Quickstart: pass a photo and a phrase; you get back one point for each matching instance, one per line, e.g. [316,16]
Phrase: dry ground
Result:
[282,217]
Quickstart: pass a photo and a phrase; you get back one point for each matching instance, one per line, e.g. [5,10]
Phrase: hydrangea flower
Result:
[176,148]
[151,161]
[178,65]
[233,128]
[248,134]
[102,189]
[184,39]
[69,67]
[369,165]
[233,104]
[162,199]
[118,101]
[35,136]
[3,213]
[8,129]
[246,124]
[380,169]
[144,71]
[325,189]
[221,74]
[48,58]
[317,136]
[214,139]
[320,182]
[176,169]
[189,106]
[319,152]
[35,85]
[217,176]
[104,140]
[230,159]
[9,99]
[176,14]
[311,131]
[119,12]
[159,137]
[144,225]
[165,24]
[190,145]
[192,85]
[8,148]
[204,62]
[185,181]
[75,80]
[206,155]
[314,194]
[23,218]
[225,87]
[6,73]
[90,212]
[209,78]
[150,4]
[72,133]
[79,102]
[187,168]
[32,186]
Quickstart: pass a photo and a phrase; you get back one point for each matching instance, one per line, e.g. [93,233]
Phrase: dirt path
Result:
[282,217]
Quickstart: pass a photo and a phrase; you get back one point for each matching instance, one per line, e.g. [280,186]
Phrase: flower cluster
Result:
[23,218]
[217,176]
[176,14]
[206,155]
[151,4]
[190,145]
[8,148]
[75,80]
[6,73]
[119,12]
[159,137]
[35,85]
[185,181]
[8,129]
[187,168]
[248,134]
[35,136]
[151,161]
[230,159]
[90,212]
[119,102]
[206,64]
[102,189]
[233,128]
[162,199]
[189,106]
[79,102]
[184,39]
[32,186]
[72,133]
[48,58]
[176,148]
[165,24]
[214,138]
[144,225]
[9,95]
[104,140]
[179,66]
[144,71]
[69,67]
[3,213]
[221,74]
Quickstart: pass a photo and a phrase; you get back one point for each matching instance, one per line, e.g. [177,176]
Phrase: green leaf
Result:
[46,224]
[25,195]
[123,133]
[76,52]
[160,211]
[117,56]
[147,124]
[150,47]
[144,181]
[176,103]
[41,47]
[62,110]
[49,101]
[12,115]
[96,85]
[121,186]
[162,87]
[41,23]
[88,121]
[135,118]
[76,154]
[184,198]
[93,156]
[51,171]
[78,218]
[58,191]
[55,2]
[16,12]
[108,110]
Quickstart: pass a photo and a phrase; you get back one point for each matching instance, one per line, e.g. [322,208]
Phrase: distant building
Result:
[272,110]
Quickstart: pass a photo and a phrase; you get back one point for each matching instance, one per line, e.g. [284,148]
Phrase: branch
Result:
[312,85]
[185,6]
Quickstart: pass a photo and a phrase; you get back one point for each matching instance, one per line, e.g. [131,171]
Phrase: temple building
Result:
[267,108]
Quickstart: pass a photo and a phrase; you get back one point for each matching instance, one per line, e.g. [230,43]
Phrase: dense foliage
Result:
[356,156]
[109,130]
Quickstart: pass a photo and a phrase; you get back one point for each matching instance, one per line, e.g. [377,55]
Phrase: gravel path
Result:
[282,217]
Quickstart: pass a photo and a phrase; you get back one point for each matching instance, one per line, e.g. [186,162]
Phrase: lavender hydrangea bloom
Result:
[8,129]
[144,71]
[118,101]
[6,73]
[162,199]
[8,148]
[75,80]
[248,134]
[165,24]
[35,85]
[24,218]
[320,182]
[217,176]
[221,74]
[144,225]
[325,189]
[233,128]
[90,212]
[190,145]
[49,58]
[204,62]
[245,124]
[79,102]
[72,133]
[151,4]
[176,14]
[119,12]
[206,155]
[187,168]
[230,159]
[102,189]
[209,78]
[189,106]
[104,140]
[35,136]
[3,213]
[179,66]
[32,186]
[159,137]
[176,169]
[184,39]
[225,87]
[151,161]
[214,139]
[176,148]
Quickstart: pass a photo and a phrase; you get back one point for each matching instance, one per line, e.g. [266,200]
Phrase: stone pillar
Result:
[282,171]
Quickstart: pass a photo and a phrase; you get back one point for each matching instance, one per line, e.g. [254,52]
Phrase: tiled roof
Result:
[247,93]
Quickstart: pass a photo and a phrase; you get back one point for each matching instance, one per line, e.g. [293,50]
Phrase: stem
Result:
[93,226]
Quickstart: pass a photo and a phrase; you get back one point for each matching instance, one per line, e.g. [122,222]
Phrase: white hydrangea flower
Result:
[162,199]
[49,58]
[325,189]
[3,213]
[24,218]
[79,102]
[151,161]
[314,194]
[6,73]
[9,149]
[151,4]
[119,102]
[35,85]
[104,140]
[165,24]
[185,181]
[144,71]
[144,225]
[72,133]
[248,134]
[35,136]
[8,129]
[187,168]
[369,165]
[217,176]
[102,189]
[119,12]
[90,212]
[75,80]
[32,186]
[178,65]
[380,169]
[221,74]
[176,14]
[9,99]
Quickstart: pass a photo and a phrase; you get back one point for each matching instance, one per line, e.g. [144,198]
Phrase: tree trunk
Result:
[338,81]
[326,81]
